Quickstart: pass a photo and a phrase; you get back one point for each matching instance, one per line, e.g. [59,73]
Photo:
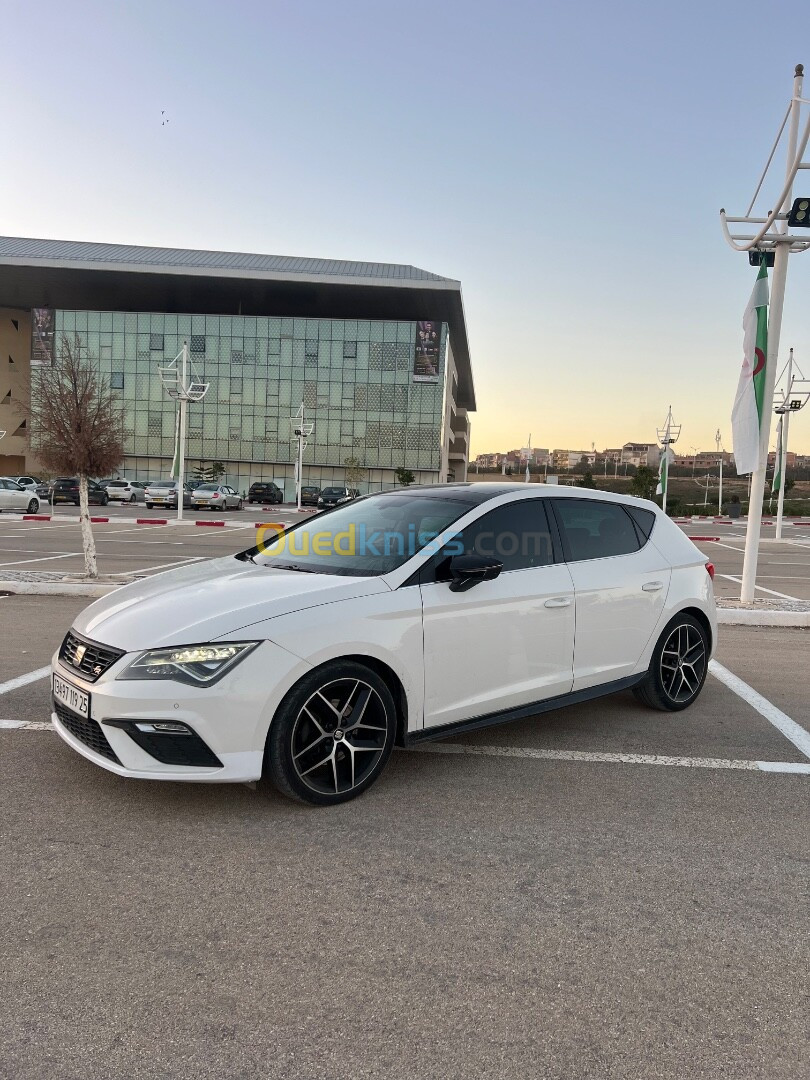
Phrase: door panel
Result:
[506,642]
[498,645]
[619,597]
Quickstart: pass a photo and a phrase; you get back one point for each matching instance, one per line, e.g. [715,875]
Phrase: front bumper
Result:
[231,717]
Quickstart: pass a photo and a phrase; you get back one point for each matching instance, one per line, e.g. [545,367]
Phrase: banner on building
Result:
[42,335]
[426,353]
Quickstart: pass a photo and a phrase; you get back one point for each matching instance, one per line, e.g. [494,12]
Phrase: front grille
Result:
[94,660]
[85,730]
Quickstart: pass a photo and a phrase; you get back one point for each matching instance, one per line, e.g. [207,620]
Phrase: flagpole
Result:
[782,245]
[718,439]
[780,505]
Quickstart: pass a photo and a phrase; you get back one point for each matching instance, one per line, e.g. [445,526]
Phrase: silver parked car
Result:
[164,493]
[217,497]
[14,496]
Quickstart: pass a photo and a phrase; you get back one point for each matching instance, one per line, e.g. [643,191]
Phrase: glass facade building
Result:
[354,378]
[376,353]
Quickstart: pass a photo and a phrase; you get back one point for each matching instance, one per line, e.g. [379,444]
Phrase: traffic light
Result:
[799,215]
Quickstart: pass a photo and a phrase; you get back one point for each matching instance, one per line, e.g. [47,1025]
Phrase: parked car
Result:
[66,489]
[310,496]
[265,491]
[126,491]
[40,489]
[216,496]
[164,493]
[14,496]
[402,616]
[335,496]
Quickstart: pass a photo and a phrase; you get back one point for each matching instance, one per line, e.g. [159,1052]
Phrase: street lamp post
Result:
[667,435]
[183,384]
[719,441]
[770,237]
[302,432]
[794,398]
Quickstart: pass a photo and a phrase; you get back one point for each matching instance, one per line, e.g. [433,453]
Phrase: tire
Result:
[33,506]
[149,506]
[103,501]
[307,718]
[133,497]
[239,505]
[683,637]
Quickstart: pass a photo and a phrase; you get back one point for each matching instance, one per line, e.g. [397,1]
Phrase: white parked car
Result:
[14,496]
[126,491]
[398,617]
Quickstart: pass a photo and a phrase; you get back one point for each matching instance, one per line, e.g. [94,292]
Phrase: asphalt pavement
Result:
[635,909]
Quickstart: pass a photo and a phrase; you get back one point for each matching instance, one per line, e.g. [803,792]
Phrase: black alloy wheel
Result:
[678,668]
[33,506]
[332,736]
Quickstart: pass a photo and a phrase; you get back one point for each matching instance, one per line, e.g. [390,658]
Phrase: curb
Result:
[151,521]
[215,524]
[731,617]
[58,588]
[706,539]
[36,517]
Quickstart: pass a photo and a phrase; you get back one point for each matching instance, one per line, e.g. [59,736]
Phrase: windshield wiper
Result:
[245,556]
[291,566]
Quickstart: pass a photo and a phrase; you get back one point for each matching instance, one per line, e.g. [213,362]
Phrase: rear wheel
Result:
[133,497]
[33,506]
[332,736]
[678,666]
[149,506]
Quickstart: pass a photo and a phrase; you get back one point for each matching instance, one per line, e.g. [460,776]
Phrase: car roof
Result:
[475,494]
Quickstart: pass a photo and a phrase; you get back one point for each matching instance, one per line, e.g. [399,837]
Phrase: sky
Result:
[565,161]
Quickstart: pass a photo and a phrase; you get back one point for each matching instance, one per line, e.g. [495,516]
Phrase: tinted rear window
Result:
[595,530]
[644,519]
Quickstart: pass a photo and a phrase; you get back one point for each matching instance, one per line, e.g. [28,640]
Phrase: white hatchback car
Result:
[126,491]
[398,617]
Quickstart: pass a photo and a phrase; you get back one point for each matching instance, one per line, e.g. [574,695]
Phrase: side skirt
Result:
[520,713]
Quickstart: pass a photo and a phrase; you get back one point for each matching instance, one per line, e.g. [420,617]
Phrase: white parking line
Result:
[46,558]
[792,731]
[624,759]
[24,680]
[761,588]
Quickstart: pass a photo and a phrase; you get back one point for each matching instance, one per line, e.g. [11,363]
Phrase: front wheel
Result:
[239,505]
[33,506]
[332,735]
[678,668]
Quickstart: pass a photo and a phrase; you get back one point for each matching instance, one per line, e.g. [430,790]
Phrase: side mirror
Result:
[468,570]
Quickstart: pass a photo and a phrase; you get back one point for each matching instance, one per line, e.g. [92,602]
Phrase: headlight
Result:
[198,665]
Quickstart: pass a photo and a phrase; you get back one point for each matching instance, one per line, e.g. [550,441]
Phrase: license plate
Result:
[155,500]
[202,502]
[71,696]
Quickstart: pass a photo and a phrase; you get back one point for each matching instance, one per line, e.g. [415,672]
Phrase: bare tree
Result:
[76,427]
[354,472]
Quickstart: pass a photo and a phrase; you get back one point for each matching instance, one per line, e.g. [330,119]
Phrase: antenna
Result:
[667,435]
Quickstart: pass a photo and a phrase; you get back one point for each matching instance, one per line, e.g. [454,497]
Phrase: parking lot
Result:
[604,891]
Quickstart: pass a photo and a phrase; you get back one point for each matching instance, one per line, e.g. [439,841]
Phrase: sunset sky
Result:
[565,161]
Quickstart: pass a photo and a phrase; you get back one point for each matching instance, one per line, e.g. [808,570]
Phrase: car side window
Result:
[595,530]
[516,534]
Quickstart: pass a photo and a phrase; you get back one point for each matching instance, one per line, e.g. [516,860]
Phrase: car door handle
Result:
[652,586]
[559,601]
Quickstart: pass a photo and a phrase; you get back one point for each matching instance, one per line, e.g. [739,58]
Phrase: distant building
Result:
[634,453]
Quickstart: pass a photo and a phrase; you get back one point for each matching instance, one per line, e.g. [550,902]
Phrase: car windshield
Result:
[117,483]
[333,491]
[364,538]
[208,487]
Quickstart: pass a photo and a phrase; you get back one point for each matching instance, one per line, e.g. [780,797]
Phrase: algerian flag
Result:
[667,457]
[746,416]
[176,461]
[776,482]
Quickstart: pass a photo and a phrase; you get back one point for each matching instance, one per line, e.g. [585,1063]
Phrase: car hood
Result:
[209,600]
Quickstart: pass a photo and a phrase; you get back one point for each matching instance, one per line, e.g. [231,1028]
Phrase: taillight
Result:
[710,570]
[215,495]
